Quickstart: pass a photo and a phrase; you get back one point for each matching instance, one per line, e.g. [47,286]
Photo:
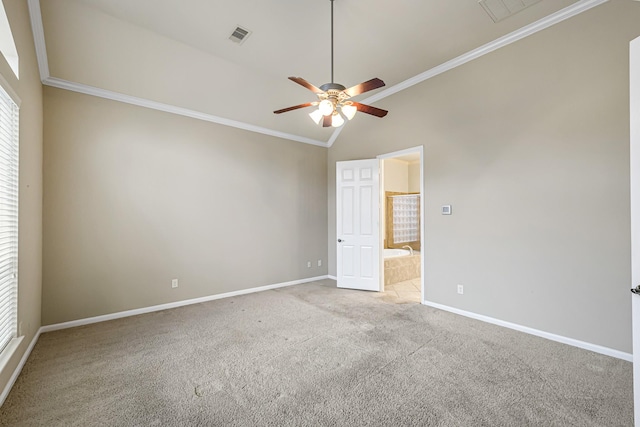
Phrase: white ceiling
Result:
[177,52]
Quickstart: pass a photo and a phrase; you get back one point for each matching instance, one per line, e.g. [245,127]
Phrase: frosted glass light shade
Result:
[326,107]
[337,120]
[316,116]
[349,111]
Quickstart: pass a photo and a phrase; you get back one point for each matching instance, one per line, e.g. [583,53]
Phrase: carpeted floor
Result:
[313,355]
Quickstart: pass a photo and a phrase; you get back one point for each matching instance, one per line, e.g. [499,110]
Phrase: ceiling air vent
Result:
[239,35]
[502,9]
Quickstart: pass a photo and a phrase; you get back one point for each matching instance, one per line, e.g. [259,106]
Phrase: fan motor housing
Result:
[332,86]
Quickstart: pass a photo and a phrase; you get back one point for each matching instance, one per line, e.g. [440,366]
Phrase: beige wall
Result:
[530,145]
[396,175]
[414,177]
[397,178]
[135,197]
[29,89]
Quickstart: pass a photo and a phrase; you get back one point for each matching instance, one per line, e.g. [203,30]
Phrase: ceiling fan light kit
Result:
[333,98]
[336,120]
[349,110]
[316,116]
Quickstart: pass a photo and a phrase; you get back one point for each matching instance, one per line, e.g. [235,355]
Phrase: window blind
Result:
[8,219]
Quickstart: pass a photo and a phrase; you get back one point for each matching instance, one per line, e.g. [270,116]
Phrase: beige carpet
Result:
[313,355]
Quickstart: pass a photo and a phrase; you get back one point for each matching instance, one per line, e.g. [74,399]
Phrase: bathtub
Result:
[400,265]
[394,253]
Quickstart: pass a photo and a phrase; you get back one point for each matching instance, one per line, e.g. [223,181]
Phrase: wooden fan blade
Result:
[303,82]
[364,87]
[295,107]
[378,112]
[326,122]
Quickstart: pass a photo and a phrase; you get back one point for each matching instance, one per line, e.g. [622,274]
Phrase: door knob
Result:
[636,290]
[340,240]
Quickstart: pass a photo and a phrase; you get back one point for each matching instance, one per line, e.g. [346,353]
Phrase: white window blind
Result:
[8,219]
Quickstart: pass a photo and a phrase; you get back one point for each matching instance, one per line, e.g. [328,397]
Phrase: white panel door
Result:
[358,224]
[635,217]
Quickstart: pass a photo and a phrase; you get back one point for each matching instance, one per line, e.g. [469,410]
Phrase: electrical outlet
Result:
[174,283]
[460,289]
[308,264]
[319,263]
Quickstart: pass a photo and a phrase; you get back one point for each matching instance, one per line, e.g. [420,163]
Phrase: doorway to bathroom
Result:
[401,226]
[365,231]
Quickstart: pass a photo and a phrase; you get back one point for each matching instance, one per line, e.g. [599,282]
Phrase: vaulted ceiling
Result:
[176,55]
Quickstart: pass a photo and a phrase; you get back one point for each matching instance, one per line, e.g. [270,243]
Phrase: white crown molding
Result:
[168,108]
[531,331]
[546,22]
[38,38]
[334,136]
[43,64]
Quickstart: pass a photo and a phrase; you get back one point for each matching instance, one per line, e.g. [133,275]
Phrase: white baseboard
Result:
[97,319]
[553,337]
[332,277]
[16,372]
[137,311]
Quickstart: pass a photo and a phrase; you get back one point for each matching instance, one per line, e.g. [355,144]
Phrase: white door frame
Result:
[419,149]
[634,97]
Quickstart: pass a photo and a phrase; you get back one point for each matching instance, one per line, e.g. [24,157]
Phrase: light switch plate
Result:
[446,210]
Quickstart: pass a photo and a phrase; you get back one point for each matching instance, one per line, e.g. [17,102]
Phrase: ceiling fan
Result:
[334,98]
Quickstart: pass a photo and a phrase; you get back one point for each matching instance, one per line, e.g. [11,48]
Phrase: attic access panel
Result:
[502,9]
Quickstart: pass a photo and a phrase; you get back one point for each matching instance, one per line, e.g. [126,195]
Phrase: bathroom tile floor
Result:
[403,292]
